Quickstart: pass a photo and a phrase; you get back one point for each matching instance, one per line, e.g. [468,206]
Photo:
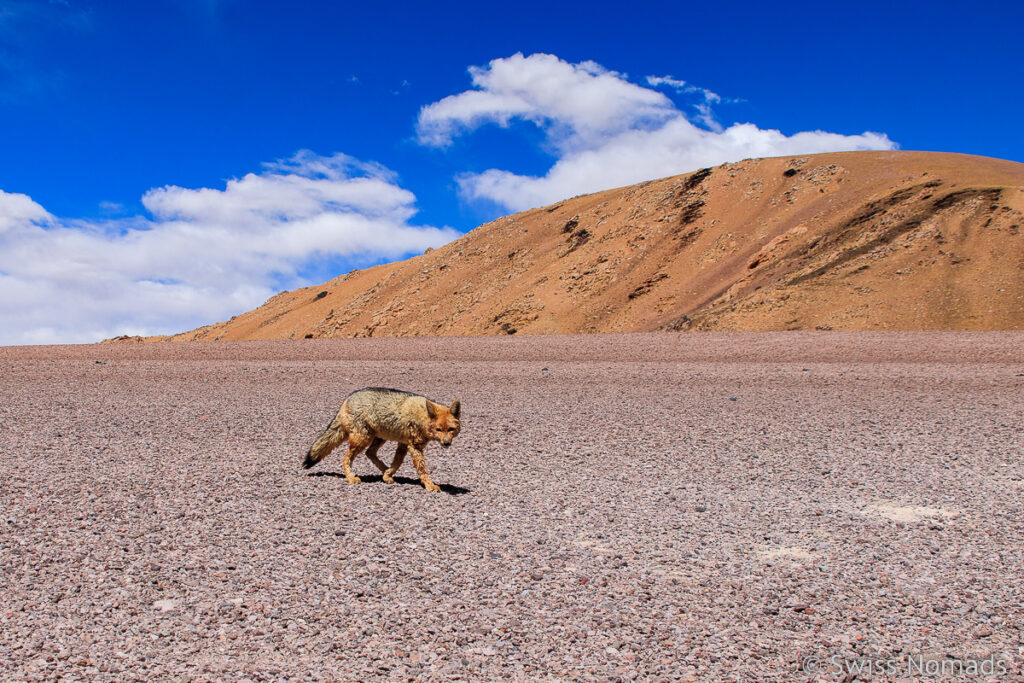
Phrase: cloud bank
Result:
[203,255]
[605,131]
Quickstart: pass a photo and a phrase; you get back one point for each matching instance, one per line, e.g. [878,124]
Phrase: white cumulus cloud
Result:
[707,99]
[605,130]
[17,209]
[578,104]
[203,254]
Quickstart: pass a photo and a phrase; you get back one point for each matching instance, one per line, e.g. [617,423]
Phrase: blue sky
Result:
[137,138]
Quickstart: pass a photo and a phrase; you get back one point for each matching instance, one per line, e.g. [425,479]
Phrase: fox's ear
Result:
[455,408]
[431,413]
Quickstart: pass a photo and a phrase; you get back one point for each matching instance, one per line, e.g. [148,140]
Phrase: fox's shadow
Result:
[450,489]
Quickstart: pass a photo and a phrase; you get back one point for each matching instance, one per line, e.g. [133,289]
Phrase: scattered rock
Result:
[166,605]
[576,240]
[695,179]
[681,323]
[647,285]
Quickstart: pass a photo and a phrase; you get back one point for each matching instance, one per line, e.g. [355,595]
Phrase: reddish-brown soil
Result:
[846,241]
[659,507]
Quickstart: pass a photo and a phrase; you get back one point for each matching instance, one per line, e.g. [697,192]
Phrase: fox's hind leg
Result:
[396,463]
[357,441]
[371,453]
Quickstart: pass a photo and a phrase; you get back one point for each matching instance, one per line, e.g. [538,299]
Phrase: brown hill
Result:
[846,241]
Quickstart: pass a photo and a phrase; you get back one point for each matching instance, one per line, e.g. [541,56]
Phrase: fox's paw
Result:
[353,480]
[432,487]
[387,479]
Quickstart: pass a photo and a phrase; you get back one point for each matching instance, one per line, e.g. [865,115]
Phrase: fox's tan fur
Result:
[371,416]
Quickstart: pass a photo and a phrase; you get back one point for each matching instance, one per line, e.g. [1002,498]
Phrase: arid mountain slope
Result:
[846,241]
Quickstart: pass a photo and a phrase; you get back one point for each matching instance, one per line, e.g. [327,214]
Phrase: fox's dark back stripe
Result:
[387,390]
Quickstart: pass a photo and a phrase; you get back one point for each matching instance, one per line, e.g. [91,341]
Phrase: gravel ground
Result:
[674,507]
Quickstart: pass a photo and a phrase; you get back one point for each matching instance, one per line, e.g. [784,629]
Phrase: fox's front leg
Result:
[418,461]
[396,463]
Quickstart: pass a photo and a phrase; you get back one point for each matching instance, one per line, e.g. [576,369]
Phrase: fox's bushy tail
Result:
[325,443]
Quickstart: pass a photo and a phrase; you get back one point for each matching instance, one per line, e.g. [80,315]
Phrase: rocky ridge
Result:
[843,241]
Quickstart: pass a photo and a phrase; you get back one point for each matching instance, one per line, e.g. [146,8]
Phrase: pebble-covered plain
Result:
[634,507]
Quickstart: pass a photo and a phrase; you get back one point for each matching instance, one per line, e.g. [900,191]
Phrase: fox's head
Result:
[444,421]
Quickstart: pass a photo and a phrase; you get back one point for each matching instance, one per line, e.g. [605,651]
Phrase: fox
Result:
[369,417]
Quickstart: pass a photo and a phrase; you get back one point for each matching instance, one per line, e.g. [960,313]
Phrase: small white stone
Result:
[165,605]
